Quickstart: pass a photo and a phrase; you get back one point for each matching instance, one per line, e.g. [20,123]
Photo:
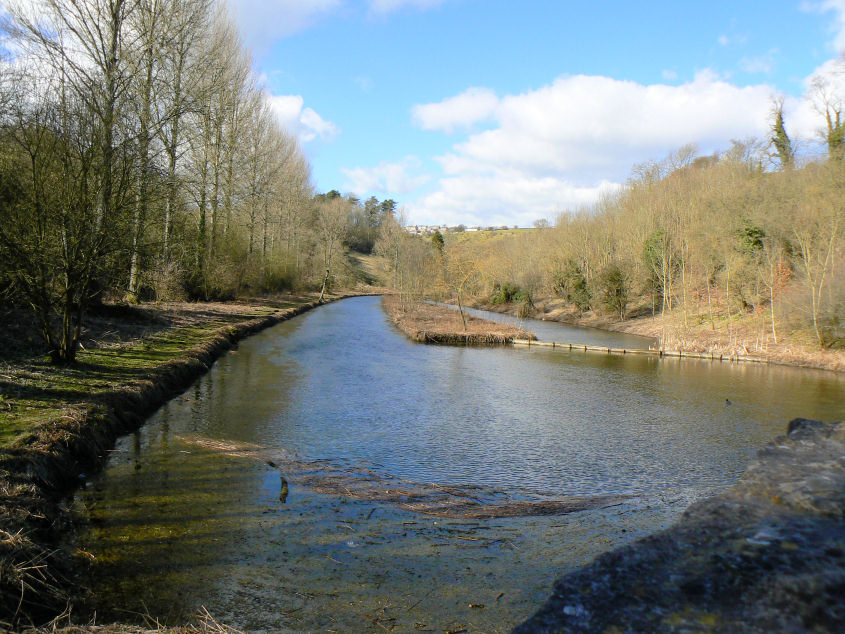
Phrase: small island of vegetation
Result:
[431,323]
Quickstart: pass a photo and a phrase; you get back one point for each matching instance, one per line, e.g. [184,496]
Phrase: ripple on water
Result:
[364,425]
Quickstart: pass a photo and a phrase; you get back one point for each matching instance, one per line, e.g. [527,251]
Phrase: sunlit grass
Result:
[34,391]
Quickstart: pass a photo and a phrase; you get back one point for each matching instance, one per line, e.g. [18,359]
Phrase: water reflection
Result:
[348,386]
[176,525]
[563,333]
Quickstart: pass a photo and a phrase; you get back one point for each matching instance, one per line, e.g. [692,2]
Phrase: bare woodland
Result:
[140,160]
[746,244]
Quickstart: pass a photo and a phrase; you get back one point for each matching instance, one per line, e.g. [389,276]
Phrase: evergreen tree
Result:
[781,140]
[388,209]
[438,242]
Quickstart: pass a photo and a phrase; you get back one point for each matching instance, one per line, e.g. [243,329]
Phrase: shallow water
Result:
[564,333]
[188,512]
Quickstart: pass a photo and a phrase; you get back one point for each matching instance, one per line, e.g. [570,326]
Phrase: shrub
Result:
[572,286]
[278,277]
[614,289]
[512,294]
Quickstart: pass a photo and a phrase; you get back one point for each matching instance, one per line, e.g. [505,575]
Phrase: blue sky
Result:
[502,112]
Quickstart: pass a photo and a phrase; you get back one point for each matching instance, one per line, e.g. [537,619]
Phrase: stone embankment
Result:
[767,555]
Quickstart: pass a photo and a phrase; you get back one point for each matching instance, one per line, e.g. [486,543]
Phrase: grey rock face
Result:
[768,555]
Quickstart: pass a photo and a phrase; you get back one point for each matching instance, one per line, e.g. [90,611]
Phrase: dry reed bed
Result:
[39,572]
[205,624]
[430,323]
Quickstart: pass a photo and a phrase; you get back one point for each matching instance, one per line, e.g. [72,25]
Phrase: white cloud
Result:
[598,126]
[504,198]
[724,40]
[803,123]
[383,7]
[562,145]
[302,122]
[669,75]
[263,21]
[386,177]
[838,25]
[458,112]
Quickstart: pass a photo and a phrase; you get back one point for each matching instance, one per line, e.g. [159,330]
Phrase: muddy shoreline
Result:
[40,570]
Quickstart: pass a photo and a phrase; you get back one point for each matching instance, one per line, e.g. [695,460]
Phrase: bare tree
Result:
[53,233]
[178,93]
[462,274]
[828,98]
[331,229]
[72,126]
[817,237]
[150,23]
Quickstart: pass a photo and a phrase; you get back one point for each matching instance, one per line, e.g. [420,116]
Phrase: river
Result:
[331,474]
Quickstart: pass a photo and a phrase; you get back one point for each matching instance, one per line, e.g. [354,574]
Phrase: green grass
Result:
[486,237]
[34,391]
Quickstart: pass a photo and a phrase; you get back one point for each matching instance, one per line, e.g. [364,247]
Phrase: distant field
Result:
[483,236]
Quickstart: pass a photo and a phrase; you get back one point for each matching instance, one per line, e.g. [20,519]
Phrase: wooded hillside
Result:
[711,241]
[140,159]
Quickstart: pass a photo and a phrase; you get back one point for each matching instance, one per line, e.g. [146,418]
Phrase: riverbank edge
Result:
[40,569]
[766,555]
[485,332]
[694,345]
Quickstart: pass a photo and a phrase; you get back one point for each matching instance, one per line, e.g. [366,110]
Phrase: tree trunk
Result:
[461,310]
[140,215]
[323,290]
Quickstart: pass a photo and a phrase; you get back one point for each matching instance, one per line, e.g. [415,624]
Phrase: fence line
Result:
[681,354]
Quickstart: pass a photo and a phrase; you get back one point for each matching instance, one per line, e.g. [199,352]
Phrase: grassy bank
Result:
[429,323]
[58,423]
[741,338]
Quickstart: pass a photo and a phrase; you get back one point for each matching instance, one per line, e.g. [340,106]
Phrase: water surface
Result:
[178,522]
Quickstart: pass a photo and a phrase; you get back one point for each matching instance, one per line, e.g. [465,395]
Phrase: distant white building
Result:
[425,230]
[429,230]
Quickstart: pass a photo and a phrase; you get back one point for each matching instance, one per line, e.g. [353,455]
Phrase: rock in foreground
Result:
[768,555]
